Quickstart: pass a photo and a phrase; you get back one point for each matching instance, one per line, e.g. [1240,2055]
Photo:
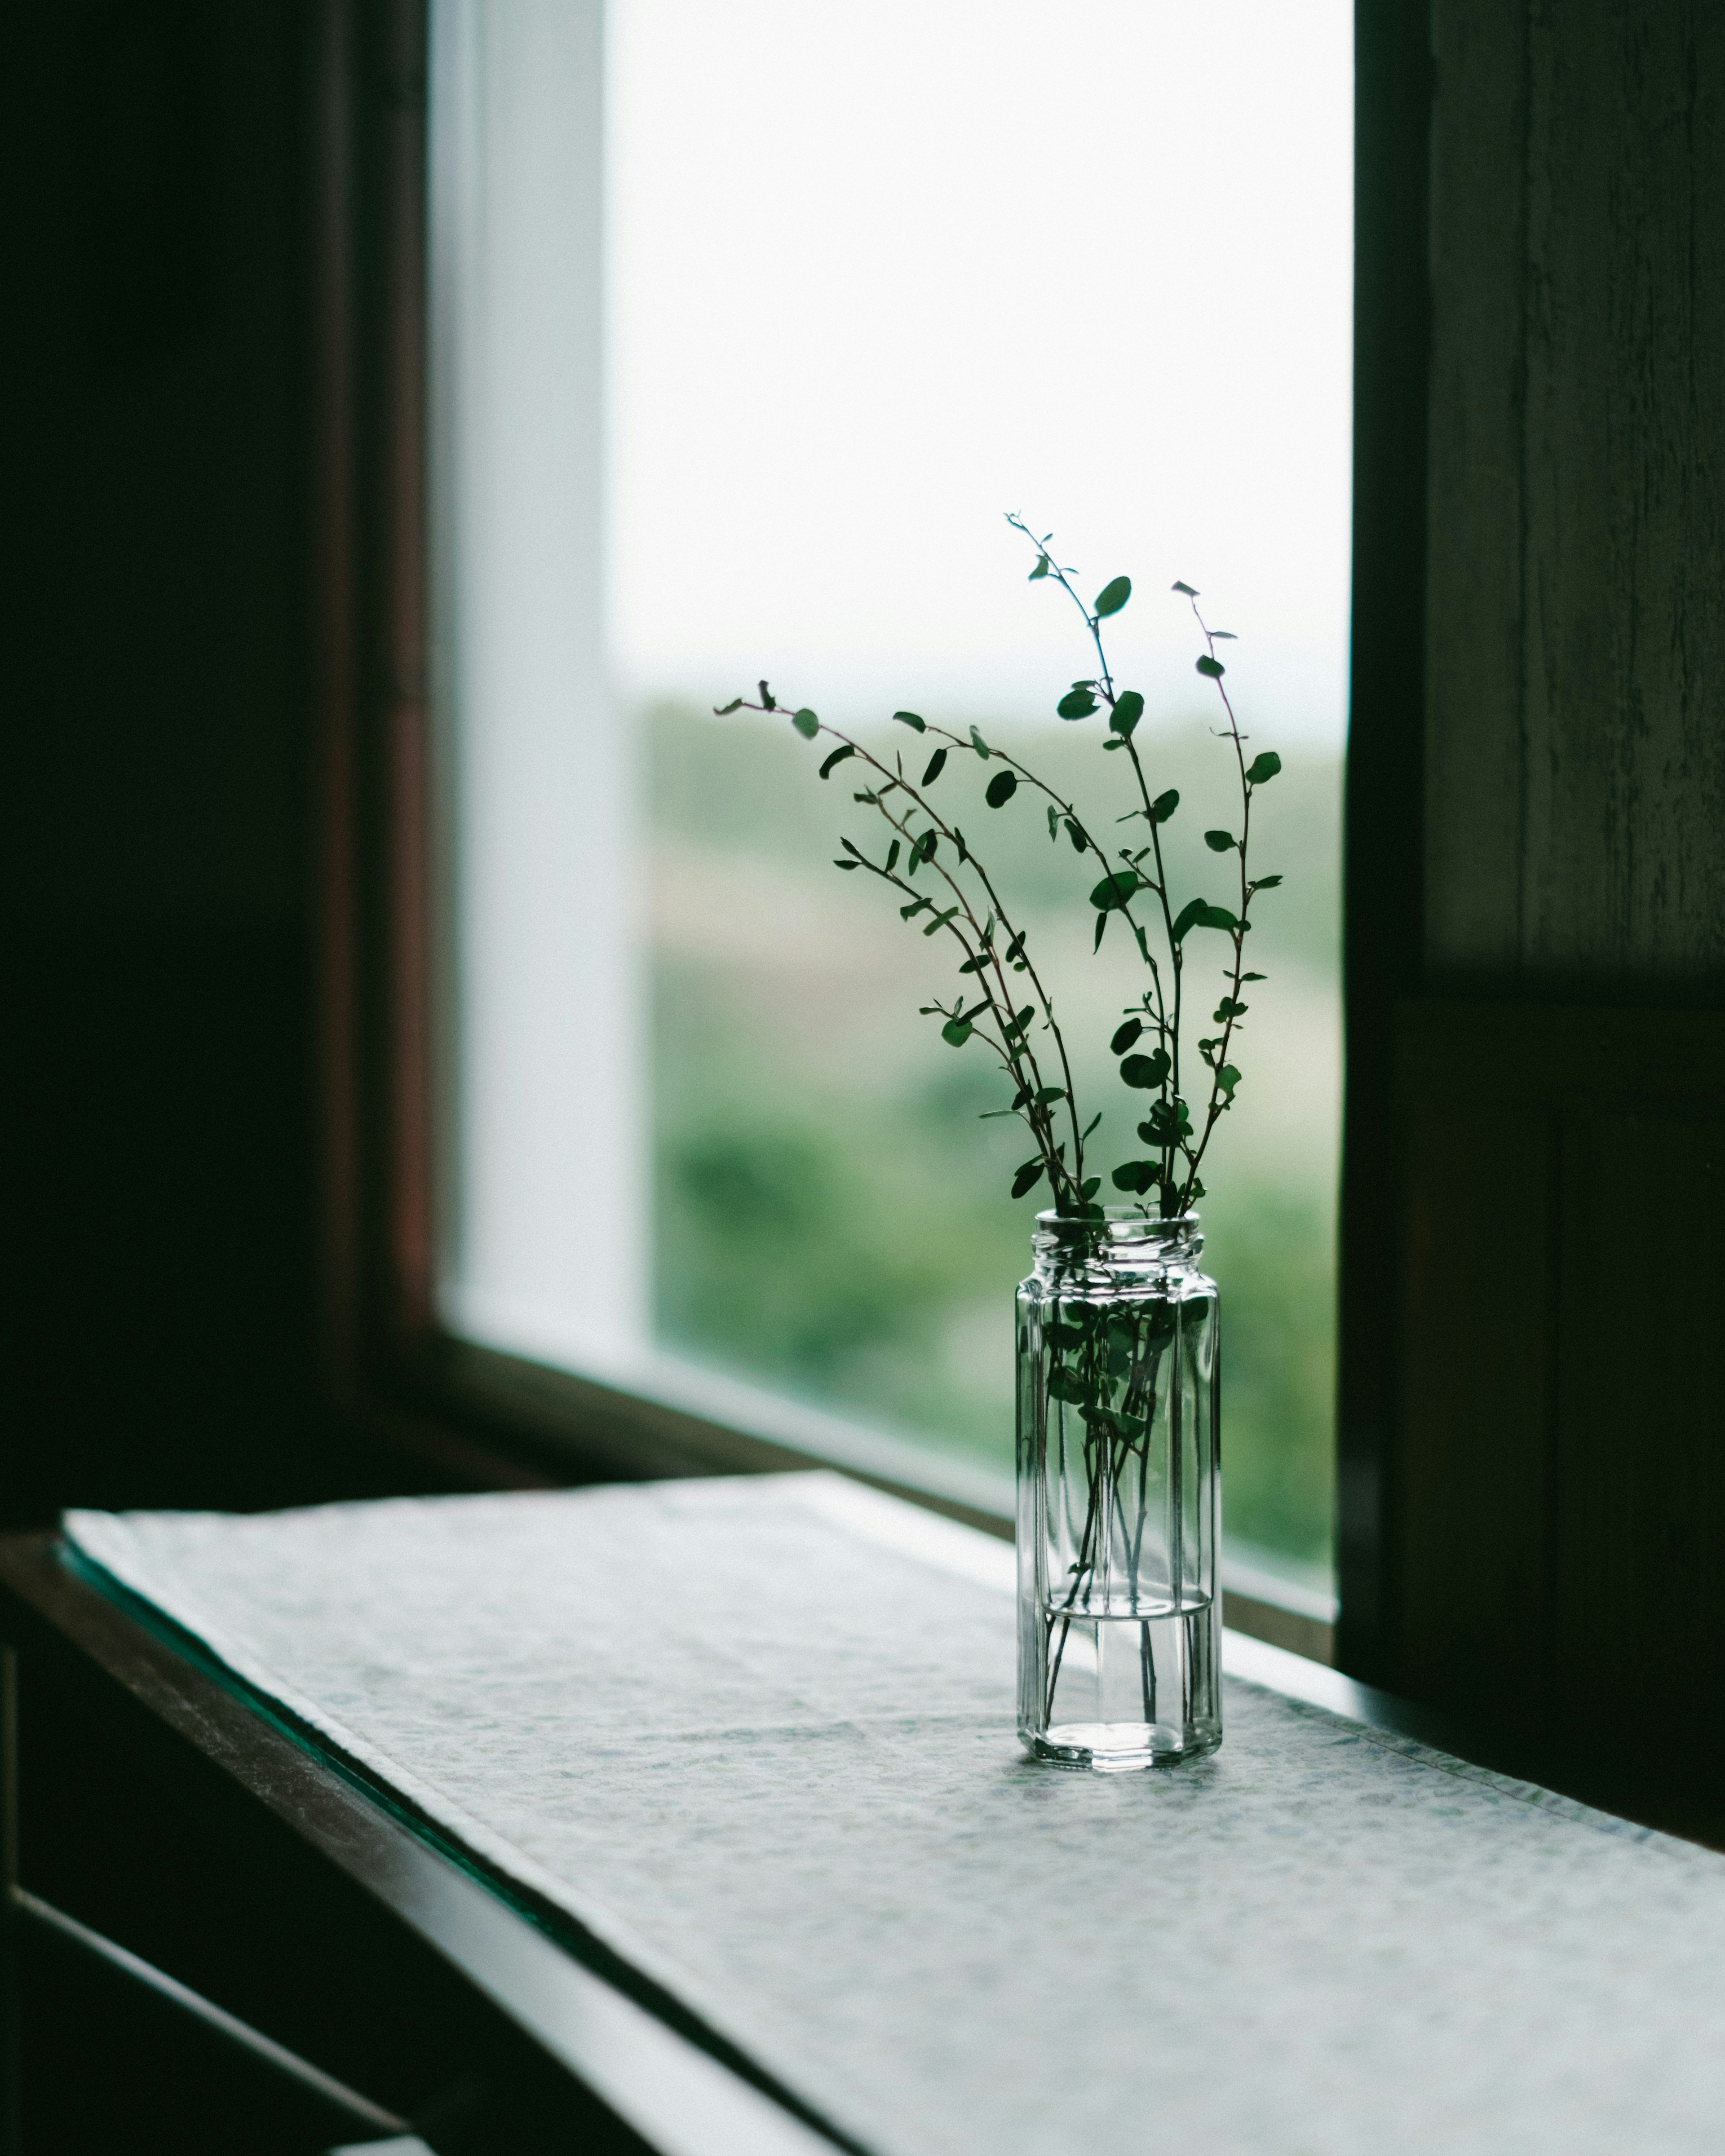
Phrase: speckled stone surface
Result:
[768,1755]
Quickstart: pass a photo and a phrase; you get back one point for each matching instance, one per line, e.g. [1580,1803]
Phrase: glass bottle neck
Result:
[1124,1246]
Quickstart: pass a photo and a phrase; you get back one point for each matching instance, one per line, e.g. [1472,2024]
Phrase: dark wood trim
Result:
[11,2132]
[373,870]
[1381,834]
[403,688]
[32,1909]
[336,864]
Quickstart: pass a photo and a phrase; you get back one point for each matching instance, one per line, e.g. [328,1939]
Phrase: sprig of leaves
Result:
[966,906]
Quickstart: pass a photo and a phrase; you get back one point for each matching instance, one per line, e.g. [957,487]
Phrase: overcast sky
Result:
[879,273]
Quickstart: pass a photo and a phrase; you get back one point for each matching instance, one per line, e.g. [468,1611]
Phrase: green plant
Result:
[1151,1042]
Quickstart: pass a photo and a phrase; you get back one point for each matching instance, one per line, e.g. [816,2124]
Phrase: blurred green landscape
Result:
[832,1217]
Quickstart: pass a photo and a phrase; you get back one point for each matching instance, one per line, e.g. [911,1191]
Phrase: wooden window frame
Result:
[475,1413]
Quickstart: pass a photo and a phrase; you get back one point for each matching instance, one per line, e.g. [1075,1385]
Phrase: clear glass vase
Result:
[1119,1495]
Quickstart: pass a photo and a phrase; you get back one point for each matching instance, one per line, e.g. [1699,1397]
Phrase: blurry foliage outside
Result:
[829,1213]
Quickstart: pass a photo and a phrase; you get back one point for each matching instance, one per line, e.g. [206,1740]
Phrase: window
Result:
[748,321]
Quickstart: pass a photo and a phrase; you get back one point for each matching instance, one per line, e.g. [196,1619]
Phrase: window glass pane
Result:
[870,277]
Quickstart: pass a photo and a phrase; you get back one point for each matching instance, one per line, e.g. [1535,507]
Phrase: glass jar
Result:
[1119,1494]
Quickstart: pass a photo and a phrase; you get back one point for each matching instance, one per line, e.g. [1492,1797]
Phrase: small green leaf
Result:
[1255,976]
[1265,883]
[1167,1123]
[892,857]
[1053,822]
[1114,741]
[838,756]
[955,1033]
[1115,890]
[1049,1093]
[1146,1072]
[1028,1176]
[806,723]
[1138,1175]
[910,720]
[979,745]
[1076,704]
[1220,842]
[847,865]
[1102,921]
[1075,832]
[1088,1188]
[1263,767]
[1112,597]
[1228,1008]
[1212,670]
[1163,806]
[1128,710]
[724,710]
[916,906]
[769,702]
[1228,1078]
[1188,917]
[937,765]
[1041,569]
[1200,913]
[1090,1125]
[939,922]
[1186,588]
[1126,1035]
[923,851]
[1001,788]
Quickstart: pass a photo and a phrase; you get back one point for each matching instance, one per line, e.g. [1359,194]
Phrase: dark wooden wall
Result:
[1575,759]
[1548,1492]
[161,1139]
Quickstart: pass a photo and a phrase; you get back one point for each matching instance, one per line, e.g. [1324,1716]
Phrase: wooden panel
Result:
[1575,756]
[1638,1605]
[1470,1488]
[1475,754]
[1557,1469]
[1381,937]
[1623,869]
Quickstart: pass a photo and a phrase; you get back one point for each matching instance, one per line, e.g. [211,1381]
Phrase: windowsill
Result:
[812,1856]
[680,1419]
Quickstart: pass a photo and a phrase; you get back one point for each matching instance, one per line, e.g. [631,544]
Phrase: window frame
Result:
[455,1407]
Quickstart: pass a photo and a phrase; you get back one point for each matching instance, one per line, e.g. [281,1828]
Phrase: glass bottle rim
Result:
[1125,1239]
[1121,1223]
